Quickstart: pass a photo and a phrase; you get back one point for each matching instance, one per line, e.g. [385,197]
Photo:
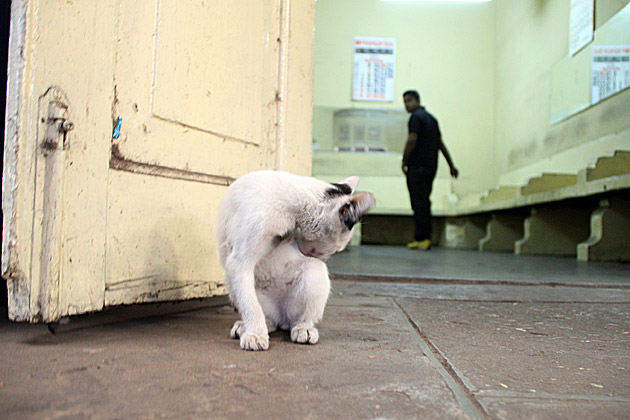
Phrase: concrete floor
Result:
[441,334]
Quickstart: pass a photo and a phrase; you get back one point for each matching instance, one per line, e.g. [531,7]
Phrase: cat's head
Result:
[328,228]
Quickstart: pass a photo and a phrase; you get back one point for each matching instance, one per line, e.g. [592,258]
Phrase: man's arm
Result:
[447,156]
[412,139]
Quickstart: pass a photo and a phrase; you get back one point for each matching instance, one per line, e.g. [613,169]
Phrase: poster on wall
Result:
[580,24]
[610,70]
[373,77]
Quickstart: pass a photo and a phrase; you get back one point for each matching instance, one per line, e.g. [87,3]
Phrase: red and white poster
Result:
[373,77]
[610,70]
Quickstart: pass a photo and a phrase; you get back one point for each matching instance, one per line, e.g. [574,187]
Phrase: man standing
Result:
[419,164]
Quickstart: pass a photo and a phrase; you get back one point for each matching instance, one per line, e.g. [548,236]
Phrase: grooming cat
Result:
[292,290]
[275,230]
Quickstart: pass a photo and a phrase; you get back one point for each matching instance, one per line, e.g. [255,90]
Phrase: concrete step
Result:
[547,182]
[618,164]
[500,193]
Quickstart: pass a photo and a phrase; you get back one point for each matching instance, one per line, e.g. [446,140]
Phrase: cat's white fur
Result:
[275,230]
[292,290]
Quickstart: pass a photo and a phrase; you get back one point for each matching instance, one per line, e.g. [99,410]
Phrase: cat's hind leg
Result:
[308,299]
[237,329]
[273,316]
[304,333]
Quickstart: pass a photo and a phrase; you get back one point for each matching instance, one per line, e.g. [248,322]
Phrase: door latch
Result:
[57,126]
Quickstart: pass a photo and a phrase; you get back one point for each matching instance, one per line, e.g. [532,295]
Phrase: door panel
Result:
[198,109]
[222,70]
[207,90]
[161,246]
[202,98]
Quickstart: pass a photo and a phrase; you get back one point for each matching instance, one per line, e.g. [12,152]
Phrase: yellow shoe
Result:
[425,244]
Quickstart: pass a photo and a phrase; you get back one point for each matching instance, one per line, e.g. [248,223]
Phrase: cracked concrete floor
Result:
[399,343]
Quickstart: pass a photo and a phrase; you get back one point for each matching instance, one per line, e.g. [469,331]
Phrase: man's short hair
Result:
[412,93]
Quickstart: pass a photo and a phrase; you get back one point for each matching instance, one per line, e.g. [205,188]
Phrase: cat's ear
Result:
[352,211]
[352,182]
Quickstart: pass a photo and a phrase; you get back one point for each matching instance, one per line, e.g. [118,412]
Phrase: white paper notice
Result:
[373,78]
[581,25]
[610,70]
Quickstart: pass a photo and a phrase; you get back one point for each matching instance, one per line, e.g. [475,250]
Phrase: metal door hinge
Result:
[57,126]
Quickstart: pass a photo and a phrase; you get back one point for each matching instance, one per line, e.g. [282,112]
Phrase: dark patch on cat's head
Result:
[338,190]
[352,211]
[346,213]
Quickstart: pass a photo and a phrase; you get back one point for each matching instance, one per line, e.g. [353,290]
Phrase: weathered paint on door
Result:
[205,90]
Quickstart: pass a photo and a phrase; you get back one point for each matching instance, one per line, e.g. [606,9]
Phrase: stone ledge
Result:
[573,191]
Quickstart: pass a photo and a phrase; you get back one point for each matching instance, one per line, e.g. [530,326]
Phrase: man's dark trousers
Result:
[419,183]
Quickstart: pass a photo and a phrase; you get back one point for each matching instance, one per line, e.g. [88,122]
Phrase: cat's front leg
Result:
[252,330]
[254,340]
[308,300]
[249,341]
[239,328]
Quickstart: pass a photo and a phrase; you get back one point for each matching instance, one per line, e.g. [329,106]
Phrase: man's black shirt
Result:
[425,154]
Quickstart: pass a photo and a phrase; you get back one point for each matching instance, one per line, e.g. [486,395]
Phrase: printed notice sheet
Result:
[373,77]
[610,70]
[580,25]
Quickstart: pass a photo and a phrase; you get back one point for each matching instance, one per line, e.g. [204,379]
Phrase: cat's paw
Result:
[237,329]
[250,341]
[304,334]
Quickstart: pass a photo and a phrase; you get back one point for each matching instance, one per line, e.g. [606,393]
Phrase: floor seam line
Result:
[568,398]
[376,278]
[464,396]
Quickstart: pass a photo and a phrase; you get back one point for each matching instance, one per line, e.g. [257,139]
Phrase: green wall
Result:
[445,51]
[531,36]
[484,70]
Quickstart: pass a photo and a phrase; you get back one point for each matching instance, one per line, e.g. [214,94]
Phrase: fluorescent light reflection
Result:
[439,1]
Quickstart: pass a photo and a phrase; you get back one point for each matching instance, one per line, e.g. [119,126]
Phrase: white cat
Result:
[275,230]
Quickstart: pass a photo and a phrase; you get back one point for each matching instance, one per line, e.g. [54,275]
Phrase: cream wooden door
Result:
[165,102]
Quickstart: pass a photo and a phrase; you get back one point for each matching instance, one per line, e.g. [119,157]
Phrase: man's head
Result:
[411,99]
